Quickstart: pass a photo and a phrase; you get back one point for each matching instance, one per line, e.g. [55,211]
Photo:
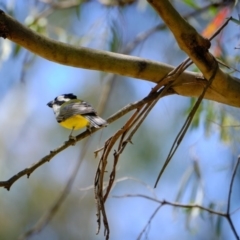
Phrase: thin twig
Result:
[220,29]
[185,127]
[229,200]
[149,221]
[231,185]
[226,215]
[70,142]
[133,123]
[188,121]
[174,204]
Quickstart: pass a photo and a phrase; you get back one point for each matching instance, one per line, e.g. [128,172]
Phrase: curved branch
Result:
[196,47]
[173,204]
[80,57]
[225,88]
[28,171]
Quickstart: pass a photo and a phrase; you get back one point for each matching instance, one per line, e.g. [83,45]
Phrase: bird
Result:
[74,113]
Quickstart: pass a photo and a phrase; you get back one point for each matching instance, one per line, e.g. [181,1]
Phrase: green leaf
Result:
[210,117]
[16,50]
[235,20]
[196,118]
[115,43]
[219,225]
[78,10]
[191,3]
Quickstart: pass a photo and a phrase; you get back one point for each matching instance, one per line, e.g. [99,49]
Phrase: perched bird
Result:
[73,113]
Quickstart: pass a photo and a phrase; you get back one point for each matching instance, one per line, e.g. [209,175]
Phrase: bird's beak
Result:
[50,104]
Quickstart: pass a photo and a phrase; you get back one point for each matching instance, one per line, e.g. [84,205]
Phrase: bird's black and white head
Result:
[60,100]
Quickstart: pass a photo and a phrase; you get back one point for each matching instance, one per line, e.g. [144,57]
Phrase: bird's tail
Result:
[96,121]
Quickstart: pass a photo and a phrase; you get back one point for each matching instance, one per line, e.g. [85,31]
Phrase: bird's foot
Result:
[73,139]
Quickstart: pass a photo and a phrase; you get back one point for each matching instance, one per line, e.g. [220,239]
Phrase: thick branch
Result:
[225,88]
[196,47]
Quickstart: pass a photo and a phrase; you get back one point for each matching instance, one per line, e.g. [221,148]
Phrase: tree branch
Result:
[225,88]
[196,47]
[28,171]
[174,204]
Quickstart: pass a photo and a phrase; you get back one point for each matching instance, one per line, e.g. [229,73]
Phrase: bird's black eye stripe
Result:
[59,102]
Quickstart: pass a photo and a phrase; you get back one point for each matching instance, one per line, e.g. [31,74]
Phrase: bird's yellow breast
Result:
[75,122]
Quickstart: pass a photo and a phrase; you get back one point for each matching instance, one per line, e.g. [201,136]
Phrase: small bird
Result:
[73,113]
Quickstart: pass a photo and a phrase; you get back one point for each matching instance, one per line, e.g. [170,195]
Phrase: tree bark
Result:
[225,88]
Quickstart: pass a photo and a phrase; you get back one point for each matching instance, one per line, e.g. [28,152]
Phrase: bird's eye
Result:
[60,102]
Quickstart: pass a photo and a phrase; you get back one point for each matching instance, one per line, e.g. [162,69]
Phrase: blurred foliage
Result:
[116,41]
[191,3]
[214,116]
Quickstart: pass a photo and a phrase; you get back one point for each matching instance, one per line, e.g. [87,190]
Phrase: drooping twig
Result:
[133,123]
[184,128]
[228,214]
[149,221]
[124,136]
[188,121]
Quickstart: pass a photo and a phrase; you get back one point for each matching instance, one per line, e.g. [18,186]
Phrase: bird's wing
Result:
[69,109]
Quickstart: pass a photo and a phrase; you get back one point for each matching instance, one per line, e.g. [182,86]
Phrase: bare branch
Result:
[195,46]
[124,136]
[28,171]
[174,204]
[190,206]
[187,37]
[185,126]
[231,185]
[229,200]
[79,56]
[149,222]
